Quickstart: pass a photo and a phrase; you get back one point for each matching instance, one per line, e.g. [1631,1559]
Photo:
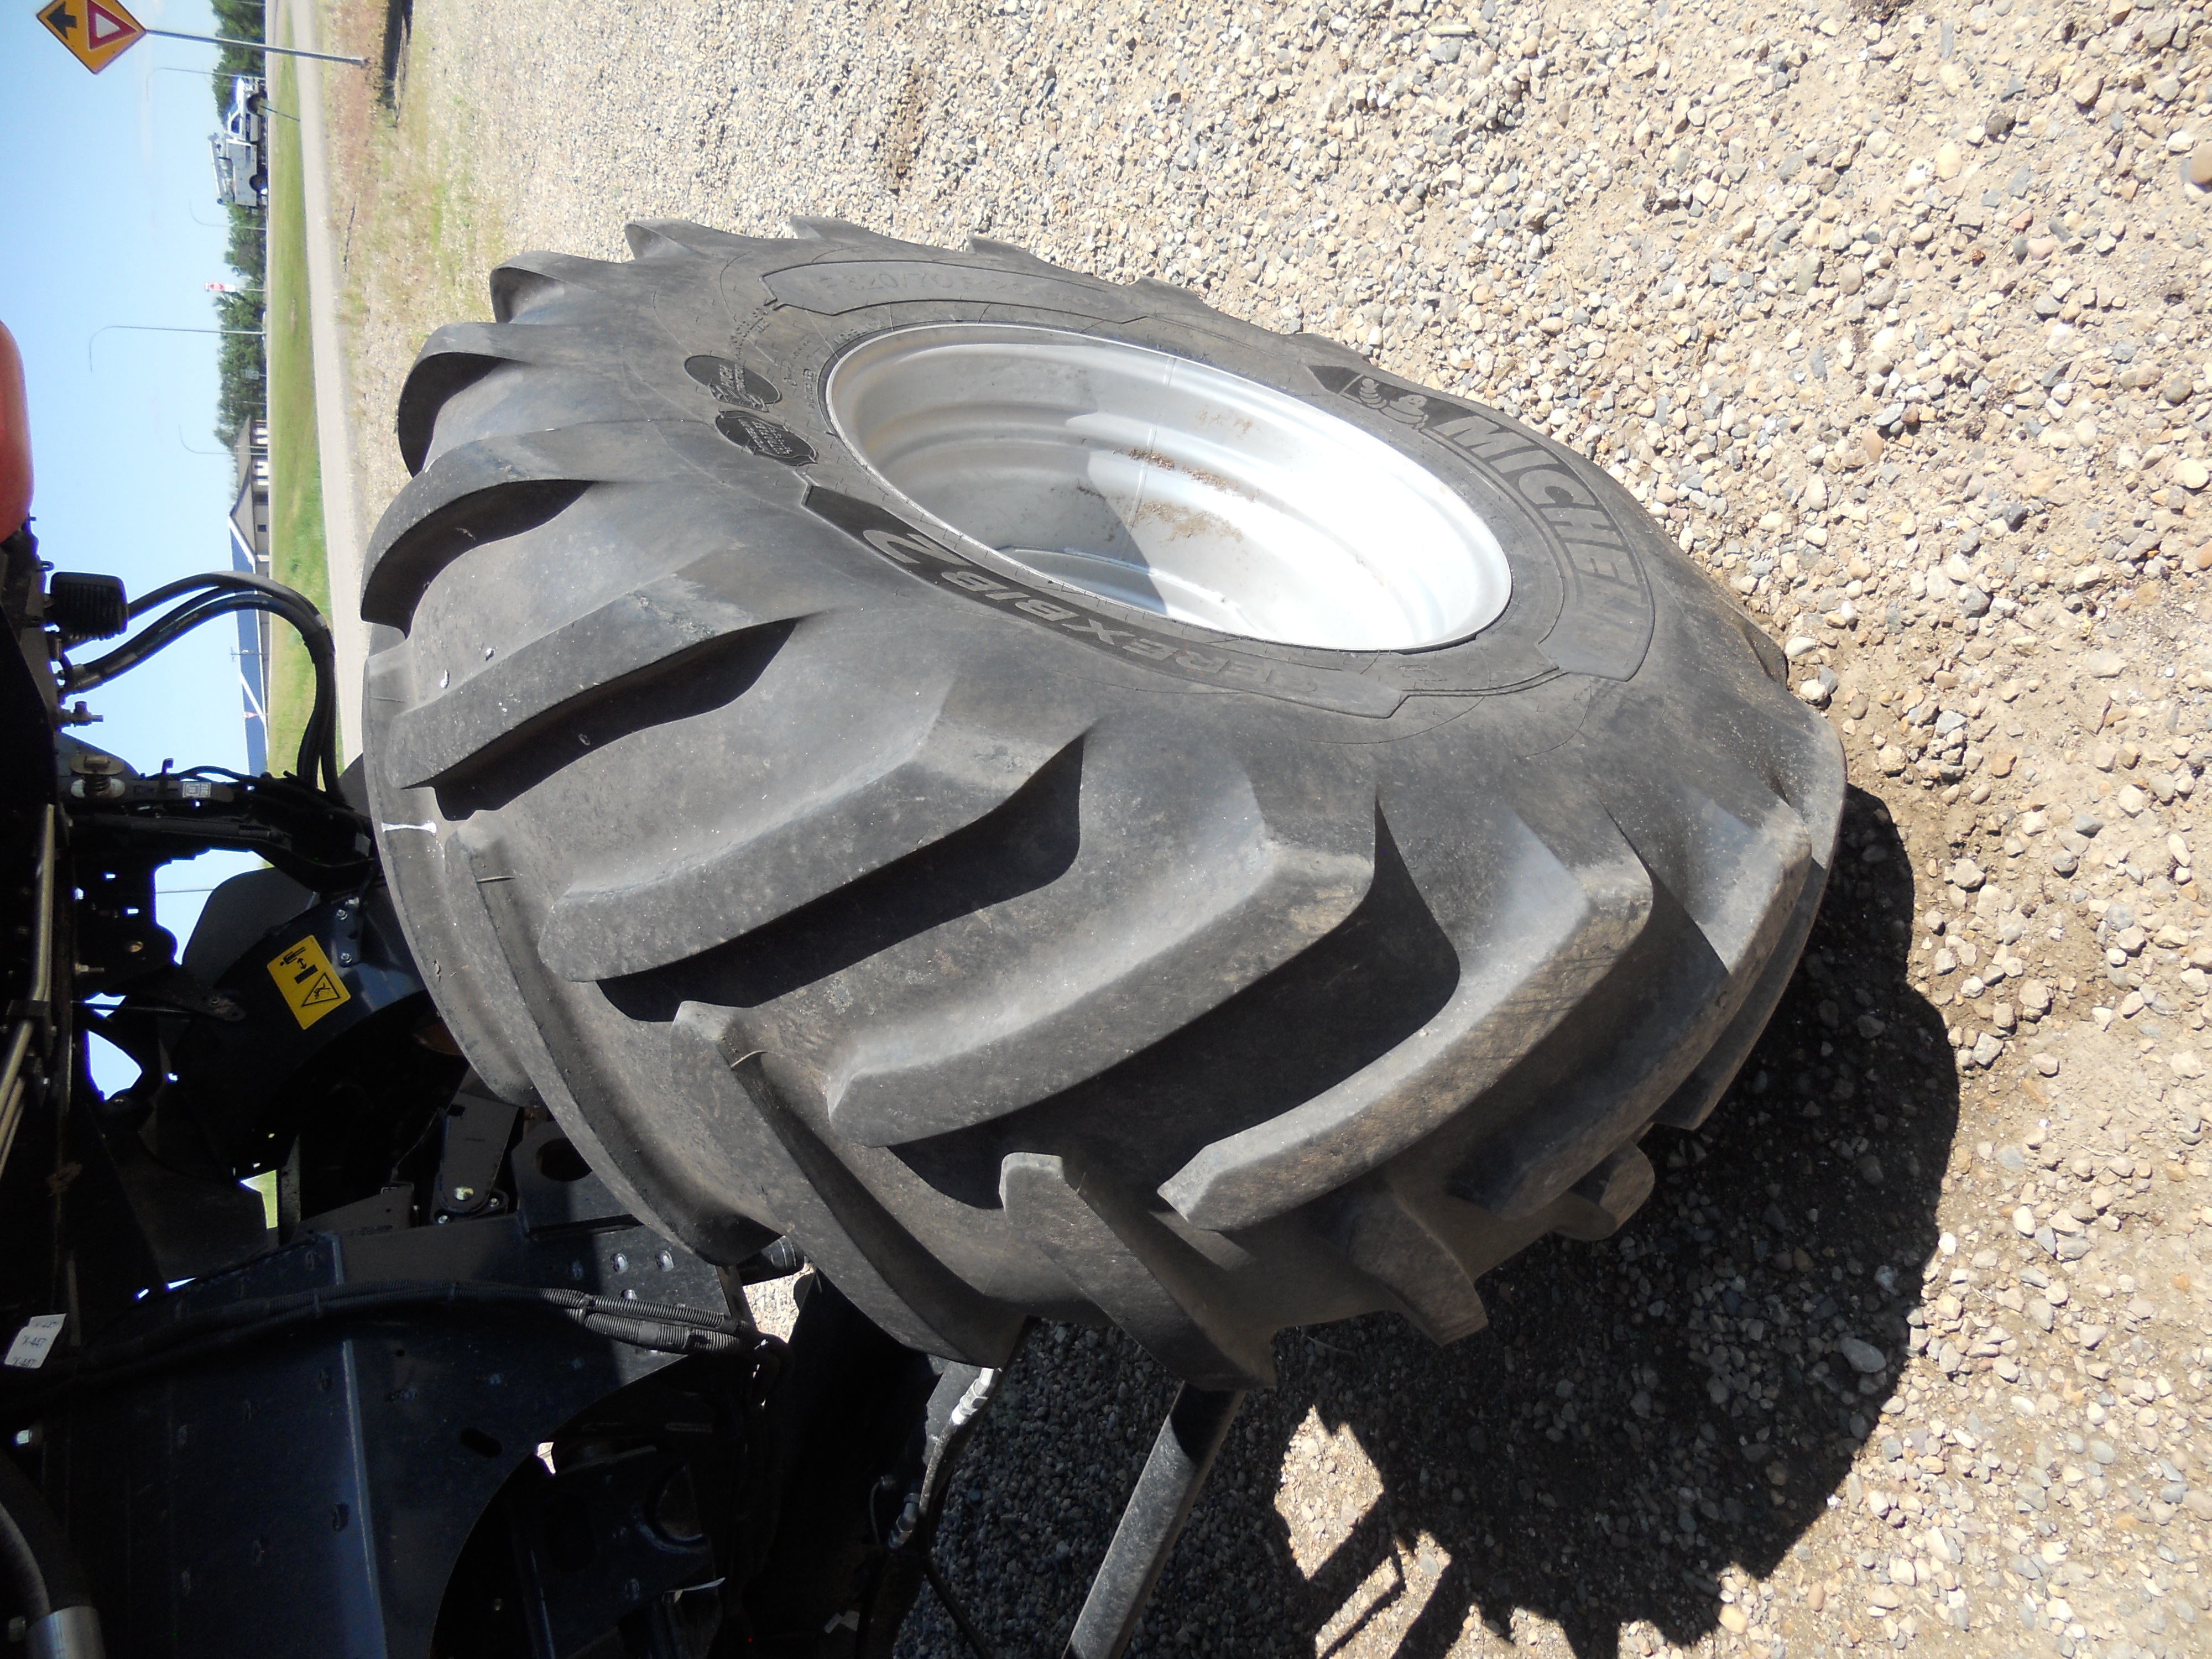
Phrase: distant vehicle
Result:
[241,149]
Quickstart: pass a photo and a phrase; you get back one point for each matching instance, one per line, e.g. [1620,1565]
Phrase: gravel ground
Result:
[1899,321]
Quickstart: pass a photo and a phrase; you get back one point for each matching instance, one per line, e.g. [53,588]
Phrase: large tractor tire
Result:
[1064,803]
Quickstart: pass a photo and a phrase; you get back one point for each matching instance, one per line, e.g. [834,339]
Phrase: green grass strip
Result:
[298,556]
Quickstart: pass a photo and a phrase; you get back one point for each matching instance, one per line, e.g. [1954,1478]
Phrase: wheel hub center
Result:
[1170,486]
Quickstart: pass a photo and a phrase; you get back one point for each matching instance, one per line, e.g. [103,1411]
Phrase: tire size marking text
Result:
[903,545]
[1605,623]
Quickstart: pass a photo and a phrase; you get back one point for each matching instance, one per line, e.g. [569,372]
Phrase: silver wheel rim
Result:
[1170,486]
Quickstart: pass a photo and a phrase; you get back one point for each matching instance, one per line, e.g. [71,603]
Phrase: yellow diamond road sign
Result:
[98,31]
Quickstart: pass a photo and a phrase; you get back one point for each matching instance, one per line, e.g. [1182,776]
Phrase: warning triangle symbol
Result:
[323,990]
[103,25]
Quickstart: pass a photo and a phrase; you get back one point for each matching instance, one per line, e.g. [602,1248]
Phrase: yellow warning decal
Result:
[311,986]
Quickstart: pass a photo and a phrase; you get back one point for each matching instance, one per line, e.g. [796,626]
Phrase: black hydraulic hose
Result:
[291,791]
[289,603]
[297,609]
[221,593]
[43,1573]
[316,740]
[230,580]
[164,632]
[213,1332]
[970,1632]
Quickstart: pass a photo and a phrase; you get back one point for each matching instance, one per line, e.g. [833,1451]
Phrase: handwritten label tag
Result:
[35,1342]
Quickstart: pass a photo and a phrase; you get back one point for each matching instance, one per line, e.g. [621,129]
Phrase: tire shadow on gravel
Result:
[1640,1415]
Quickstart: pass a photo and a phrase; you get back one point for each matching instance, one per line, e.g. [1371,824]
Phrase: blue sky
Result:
[110,217]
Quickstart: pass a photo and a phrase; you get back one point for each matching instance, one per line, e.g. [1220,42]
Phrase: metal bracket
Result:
[478,1130]
[1152,1520]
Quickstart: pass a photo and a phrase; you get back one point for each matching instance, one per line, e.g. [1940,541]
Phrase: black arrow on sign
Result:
[56,17]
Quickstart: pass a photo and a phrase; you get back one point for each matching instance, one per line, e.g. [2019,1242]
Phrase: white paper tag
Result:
[35,1342]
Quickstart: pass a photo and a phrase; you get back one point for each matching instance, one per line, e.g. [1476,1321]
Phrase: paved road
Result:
[343,532]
